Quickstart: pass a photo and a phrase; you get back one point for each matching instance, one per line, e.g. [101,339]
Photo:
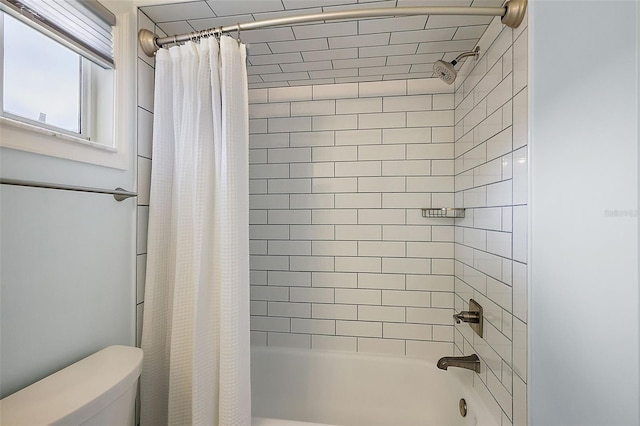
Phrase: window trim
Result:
[56,143]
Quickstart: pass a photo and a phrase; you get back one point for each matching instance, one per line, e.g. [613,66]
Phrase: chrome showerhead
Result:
[446,71]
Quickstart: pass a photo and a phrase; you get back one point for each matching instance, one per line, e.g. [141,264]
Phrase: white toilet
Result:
[97,390]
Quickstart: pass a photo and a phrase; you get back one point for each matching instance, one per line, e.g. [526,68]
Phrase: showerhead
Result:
[446,71]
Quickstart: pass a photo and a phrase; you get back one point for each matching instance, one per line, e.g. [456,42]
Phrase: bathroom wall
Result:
[341,257]
[491,166]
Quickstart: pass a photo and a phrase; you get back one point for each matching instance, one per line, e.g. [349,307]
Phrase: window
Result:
[59,86]
[48,85]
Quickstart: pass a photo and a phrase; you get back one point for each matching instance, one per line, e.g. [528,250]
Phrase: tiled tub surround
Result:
[491,241]
[341,257]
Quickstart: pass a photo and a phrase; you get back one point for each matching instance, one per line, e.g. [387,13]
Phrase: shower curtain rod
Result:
[512,14]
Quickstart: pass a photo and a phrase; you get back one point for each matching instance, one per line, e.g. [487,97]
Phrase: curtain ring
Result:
[238,36]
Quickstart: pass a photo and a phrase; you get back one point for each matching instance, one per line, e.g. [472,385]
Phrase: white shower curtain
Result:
[195,333]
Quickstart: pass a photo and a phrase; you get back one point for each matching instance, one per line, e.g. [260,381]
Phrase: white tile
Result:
[335,91]
[257,278]
[269,293]
[430,118]
[379,152]
[257,247]
[312,138]
[442,134]
[430,316]
[358,296]
[330,311]
[310,201]
[358,168]
[145,133]
[327,29]
[298,45]
[406,265]
[430,250]
[406,298]
[381,313]
[358,232]
[335,122]
[297,170]
[520,233]
[288,186]
[359,328]
[288,309]
[406,168]
[381,216]
[324,55]
[269,110]
[357,63]
[145,86]
[335,216]
[267,263]
[381,281]
[430,151]
[358,137]
[289,278]
[364,200]
[144,180]
[519,402]
[520,176]
[310,263]
[430,183]
[315,295]
[406,233]
[279,58]
[381,184]
[275,140]
[395,49]
[284,94]
[289,155]
[357,264]
[443,333]
[520,62]
[407,103]
[520,119]
[289,248]
[430,282]
[142,227]
[268,201]
[312,232]
[293,124]
[358,41]
[382,120]
[305,66]
[324,185]
[262,323]
[407,200]
[313,326]
[169,12]
[499,194]
[520,294]
[258,171]
[407,331]
[383,88]
[311,108]
[350,106]
[258,96]
[414,135]
[334,343]
[427,86]
[520,348]
[288,340]
[334,153]
[334,279]
[258,307]
[141,274]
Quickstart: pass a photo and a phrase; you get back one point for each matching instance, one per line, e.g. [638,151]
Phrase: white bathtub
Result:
[289,386]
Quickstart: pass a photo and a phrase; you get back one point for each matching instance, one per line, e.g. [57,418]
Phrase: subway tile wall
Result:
[341,257]
[491,165]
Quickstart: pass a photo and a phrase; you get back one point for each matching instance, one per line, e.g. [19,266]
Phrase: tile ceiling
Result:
[343,51]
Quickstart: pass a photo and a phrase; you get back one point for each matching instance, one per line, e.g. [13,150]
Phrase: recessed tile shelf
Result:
[443,212]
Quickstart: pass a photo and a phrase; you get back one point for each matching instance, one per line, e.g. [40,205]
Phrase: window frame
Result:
[26,135]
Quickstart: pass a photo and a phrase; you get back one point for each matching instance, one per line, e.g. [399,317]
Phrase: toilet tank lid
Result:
[76,392]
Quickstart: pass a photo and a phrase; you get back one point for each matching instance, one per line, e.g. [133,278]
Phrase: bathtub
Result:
[292,387]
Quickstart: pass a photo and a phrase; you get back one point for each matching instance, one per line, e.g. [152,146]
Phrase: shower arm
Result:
[512,15]
[474,52]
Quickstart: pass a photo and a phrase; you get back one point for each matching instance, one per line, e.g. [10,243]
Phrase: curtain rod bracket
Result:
[147,41]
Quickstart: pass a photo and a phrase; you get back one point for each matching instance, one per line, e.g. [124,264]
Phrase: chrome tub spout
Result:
[471,362]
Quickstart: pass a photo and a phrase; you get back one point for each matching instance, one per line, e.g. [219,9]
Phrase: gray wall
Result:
[584,217]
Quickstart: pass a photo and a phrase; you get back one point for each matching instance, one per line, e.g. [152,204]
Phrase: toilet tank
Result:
[97,390]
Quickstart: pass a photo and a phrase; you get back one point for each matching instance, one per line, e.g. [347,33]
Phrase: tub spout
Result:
[471,362]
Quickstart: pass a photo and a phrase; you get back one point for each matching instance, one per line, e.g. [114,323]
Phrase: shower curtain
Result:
[195,333]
